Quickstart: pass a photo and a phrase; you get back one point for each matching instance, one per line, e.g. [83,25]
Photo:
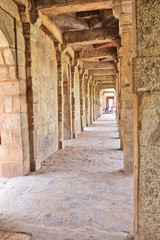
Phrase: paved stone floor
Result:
[81,192]
[14,236]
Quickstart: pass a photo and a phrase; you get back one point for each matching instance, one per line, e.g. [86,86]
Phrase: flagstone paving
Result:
[80,193]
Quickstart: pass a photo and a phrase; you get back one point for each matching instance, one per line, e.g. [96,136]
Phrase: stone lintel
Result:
[63,6]
[91,36]
[104,82]
[104,77]
[108,53]
[99,72]
[105,86]
[99,65]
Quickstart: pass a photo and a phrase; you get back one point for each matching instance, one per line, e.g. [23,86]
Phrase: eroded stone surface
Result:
[14,236]
[80,192]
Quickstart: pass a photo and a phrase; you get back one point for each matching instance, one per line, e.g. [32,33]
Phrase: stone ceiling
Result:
[91,29]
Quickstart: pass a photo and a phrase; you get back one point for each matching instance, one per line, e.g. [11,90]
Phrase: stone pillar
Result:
[118,95]
[94,102]
[73,102]
[86,99]
[60,97]
[126,96]
[81,79]
[97,101]
[146,86]
[91,100]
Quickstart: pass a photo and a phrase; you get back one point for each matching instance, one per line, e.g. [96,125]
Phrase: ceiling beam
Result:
[102,81]
[107,53]
[62,6]
[105,78]
[92,36]
[106,85]
[99,65]
[99,72]
[50,28]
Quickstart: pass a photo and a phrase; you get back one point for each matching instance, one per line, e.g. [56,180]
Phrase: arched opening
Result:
[11,160]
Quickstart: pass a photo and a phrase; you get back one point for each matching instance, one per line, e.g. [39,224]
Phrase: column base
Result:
[61,144]
[74,135]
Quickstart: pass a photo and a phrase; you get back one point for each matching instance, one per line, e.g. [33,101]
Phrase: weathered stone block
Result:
[23,104]
[24,120]
[16,136]
[4,73]
[21,58]
[148,28]
[1,59]
[12,72]
[21,72]
[9,88]
[16,104]
[12,121]
[8,56]
[20,41]
[146,74]
[1,106]
[8,104]
[7,18]
[6,135]
[10,7]
[11,169]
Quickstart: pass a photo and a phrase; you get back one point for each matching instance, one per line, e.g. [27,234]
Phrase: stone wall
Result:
[14,147]
[149,189]
[42,95]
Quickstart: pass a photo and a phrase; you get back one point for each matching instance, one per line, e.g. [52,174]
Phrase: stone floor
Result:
[14,236]
[81,192]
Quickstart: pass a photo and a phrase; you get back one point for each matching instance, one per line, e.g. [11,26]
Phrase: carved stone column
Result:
[81,78]
[94,102]
[124,13]
[60,97]
[73,101]
[91,100]
[118,94]
[146,87]
[86,99]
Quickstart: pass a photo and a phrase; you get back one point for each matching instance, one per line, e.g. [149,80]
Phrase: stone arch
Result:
[107,100]
[8,36]
[11,157]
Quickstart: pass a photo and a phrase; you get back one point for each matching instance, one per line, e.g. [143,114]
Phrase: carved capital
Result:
[117,8]
[125,22]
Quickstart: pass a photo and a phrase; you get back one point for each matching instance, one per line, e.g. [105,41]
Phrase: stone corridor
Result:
[80,193]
